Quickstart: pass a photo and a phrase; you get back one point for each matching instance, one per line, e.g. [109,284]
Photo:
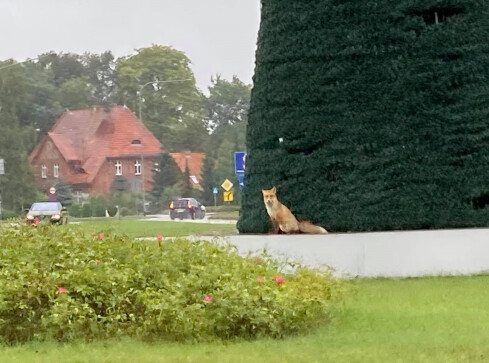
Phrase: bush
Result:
[112,210]
[75,210]
[59,283]
[7,214]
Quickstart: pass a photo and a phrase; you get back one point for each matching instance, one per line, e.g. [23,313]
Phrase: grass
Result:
[411,320]
[135,228]
[225,215]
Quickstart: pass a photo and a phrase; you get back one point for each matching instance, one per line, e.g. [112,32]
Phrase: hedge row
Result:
[60,284]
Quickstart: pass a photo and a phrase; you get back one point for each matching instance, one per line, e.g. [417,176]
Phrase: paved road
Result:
[166,217]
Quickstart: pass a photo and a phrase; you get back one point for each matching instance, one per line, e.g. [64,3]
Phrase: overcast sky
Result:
[219,36]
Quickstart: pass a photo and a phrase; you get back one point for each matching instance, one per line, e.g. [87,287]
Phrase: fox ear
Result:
[263,191]
[274,190]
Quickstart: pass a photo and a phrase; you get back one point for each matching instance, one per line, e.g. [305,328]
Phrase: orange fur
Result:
[283,219]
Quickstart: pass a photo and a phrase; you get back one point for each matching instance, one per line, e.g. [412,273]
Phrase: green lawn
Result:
[412,320]
[136,228]
[225,215]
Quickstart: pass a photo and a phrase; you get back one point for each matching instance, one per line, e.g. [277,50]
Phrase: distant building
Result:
[97,150]
[194,162]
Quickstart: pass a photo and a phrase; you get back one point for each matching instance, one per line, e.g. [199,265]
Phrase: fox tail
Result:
[308,227]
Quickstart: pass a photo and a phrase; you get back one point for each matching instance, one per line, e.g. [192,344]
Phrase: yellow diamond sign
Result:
[226,185]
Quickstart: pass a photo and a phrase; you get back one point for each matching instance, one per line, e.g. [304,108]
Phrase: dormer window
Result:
[137,167]
[118,168]
[136,142]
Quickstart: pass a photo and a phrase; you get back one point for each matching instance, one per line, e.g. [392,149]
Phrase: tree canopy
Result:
[33,94]
[171,104]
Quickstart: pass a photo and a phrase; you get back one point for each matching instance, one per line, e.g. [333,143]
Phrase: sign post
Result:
[2,172]
[215,191]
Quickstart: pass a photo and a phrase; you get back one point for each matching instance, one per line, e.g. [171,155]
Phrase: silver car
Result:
[52,211]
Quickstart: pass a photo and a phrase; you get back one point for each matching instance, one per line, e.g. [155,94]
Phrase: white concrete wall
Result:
[381,254]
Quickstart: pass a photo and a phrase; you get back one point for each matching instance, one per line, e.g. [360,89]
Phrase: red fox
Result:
[283,219]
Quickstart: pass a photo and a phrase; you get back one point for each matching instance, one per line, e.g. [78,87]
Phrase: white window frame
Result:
[137,167]
[44,171]
[56,170]
[118,168]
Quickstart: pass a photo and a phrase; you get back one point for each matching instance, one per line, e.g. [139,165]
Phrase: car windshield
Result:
[36,207]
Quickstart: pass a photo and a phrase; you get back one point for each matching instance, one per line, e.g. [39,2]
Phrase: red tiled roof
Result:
[194,161]
[92,135]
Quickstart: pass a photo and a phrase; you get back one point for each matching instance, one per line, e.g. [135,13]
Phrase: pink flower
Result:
[279,280]
[259,279]
[62,290]
[101,236]
[208,298]
[97,262]
[159,237]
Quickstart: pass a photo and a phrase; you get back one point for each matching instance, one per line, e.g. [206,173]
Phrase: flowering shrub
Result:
[59,283]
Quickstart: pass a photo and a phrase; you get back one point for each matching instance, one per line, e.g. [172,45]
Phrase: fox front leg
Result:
[275,227]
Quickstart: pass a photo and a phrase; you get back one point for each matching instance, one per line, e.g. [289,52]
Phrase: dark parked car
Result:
[186,208]
[49,211]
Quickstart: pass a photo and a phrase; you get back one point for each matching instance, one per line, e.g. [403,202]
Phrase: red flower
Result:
[97,262]
[259,279]
[208,298]
[159,237]
[62,290]
[101,236]
[259,259]
[279,280]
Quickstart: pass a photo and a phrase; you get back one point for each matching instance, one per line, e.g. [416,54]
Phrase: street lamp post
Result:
[141,119]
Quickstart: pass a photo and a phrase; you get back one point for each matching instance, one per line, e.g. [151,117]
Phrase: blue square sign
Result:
[239,162]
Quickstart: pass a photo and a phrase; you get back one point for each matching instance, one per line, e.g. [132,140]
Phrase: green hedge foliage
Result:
[56,283]
[383,112]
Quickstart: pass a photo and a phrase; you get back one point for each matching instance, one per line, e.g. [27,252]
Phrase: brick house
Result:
[96,150]
[194,161]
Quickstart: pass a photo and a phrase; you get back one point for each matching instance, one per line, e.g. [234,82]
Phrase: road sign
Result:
[227,196]
[239,162]
[214,190]
[226,185]
[241,180]
[2,167]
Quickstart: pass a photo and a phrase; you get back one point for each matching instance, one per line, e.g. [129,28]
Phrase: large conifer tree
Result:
[371,115]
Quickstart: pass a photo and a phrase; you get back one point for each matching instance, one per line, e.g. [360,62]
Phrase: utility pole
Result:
[2,172]
[142,179]
[140,99]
